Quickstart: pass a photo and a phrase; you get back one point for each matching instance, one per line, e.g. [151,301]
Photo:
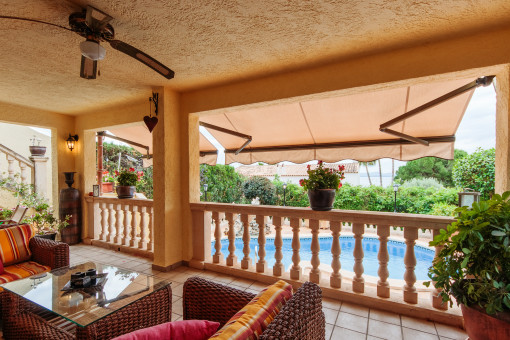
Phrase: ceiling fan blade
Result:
[88,68]
[142,57]
[34,20]
[96,19]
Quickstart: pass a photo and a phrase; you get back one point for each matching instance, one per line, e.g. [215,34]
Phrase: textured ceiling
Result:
[213,42]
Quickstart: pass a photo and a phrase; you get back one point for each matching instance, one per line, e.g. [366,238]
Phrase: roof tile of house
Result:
[298,170]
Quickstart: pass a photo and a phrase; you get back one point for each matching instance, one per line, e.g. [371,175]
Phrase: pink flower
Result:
[320,162]
[339,185]
[132,169]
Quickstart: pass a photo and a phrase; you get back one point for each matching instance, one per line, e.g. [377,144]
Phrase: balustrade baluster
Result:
[111,225]
[97,221]
[295,270]
[127,230]
[410,293]
[218,256]
[133,210]
[10,167]
[437,301]
[23,172]
[262,264]
[315,273]
[104,222]
[335,279]
[278,267]
[150,227]
[358,282]
[246,261]
[143,228]
[118,224]
[231,258]
[383,287]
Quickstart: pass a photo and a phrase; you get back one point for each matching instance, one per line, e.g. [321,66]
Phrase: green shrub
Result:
[476,171]
[443,209]
[127,178]
[260,187]
[423,183]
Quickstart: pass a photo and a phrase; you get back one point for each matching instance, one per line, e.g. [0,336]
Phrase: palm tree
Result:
[380,171]
[366,164]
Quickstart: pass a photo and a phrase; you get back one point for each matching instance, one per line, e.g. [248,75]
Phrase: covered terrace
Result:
[266,55]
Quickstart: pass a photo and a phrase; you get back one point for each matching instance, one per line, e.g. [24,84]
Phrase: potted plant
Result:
[46,225]
[108,180]
[322,184]
[473,267]
[126,183]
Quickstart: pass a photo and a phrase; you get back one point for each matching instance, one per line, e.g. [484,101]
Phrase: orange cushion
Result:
[14,244]
[22,270]
[251,321]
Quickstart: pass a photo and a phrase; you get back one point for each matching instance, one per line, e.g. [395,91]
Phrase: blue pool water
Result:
[396,251]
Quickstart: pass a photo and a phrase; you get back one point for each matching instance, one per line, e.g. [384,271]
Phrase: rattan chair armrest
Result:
[206,300]
[49,253]
[301,317]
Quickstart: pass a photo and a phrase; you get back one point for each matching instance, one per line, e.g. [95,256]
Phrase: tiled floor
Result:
[343,320]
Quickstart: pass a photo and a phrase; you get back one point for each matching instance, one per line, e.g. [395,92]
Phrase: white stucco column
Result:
[40,180]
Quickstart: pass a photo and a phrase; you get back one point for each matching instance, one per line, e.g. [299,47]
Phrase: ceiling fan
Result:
[93,25]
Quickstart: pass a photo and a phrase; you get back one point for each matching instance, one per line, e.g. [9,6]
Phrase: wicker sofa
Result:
[301,317]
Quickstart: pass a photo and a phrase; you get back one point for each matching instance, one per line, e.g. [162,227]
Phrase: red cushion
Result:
[1,267]
[176,330]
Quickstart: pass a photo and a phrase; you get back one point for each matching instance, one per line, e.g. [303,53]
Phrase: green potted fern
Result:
[473,267]
[126,183]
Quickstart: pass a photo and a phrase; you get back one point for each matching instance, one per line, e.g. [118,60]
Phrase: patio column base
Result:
[335,282]
[358,286]
[261,267]
[278,270]
[315,277]
[437,302]
[411,297]
[295,274]
[245,263]
[197,264]
[218,258]
[383,291]
[232,261]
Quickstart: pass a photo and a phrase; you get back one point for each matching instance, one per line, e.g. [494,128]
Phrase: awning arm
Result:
[104,134]
[230,132]
[482,81]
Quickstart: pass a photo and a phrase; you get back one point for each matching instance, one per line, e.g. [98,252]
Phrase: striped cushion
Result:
[22,270]
[251,321]
[14,244]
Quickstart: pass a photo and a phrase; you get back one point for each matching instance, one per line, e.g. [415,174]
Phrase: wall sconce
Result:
[71,140]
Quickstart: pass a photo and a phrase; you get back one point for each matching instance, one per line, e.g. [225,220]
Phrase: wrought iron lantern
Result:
[468,197]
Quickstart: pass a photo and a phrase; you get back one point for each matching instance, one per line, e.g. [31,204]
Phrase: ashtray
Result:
[82,280]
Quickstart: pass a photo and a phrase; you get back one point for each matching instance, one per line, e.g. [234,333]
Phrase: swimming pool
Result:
[396,250]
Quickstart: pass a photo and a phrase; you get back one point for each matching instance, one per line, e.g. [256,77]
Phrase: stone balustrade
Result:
[16,163]
[122,224]
[218,216]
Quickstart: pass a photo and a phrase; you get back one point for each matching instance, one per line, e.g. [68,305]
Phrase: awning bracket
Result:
[230,132]
[482,81]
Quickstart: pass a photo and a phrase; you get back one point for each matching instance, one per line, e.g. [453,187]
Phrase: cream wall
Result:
[62,159]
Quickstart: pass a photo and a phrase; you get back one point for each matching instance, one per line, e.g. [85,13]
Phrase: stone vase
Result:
[321,199]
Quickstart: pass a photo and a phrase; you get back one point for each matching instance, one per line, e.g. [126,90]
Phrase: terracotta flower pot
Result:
[107,187]
[37,150]
[482,326]
[125,191]
[321,199]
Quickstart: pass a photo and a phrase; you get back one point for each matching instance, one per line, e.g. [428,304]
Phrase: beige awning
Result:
[346,127]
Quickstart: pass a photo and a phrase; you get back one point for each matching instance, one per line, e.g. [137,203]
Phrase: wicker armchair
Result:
[301,317]
[48,253]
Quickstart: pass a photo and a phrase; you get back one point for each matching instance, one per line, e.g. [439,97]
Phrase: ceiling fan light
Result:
[92,50]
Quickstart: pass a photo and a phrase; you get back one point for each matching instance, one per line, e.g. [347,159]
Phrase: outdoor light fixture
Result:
[92,50]
[71,140]
[395,190]
[284,190]
[468,197]
[205,190]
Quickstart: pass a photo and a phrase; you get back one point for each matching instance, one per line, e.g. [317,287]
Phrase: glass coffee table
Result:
[124,301]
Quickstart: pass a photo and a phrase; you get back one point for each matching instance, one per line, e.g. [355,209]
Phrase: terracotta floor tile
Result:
[340,333]
[418,324]
[331,303]
[177,307]
[177,289]
[329,330]
[242,282]
[450,332]
[353,322]
[384,330]
[330,315]
[413,334]
[354,309]
[384,316]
